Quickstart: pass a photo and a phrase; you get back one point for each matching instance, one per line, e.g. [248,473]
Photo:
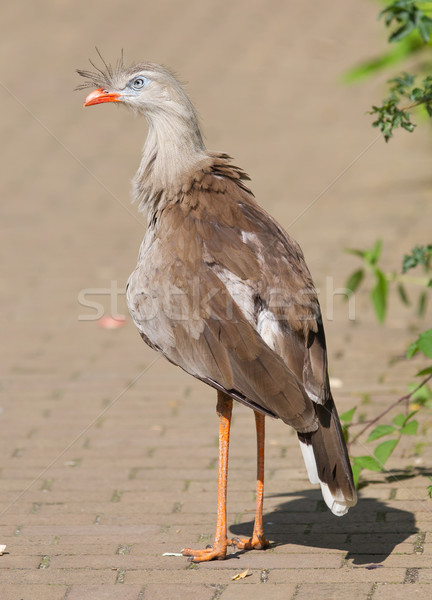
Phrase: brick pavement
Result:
[107,453]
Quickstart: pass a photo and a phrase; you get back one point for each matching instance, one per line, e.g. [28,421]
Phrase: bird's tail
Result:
[326,459]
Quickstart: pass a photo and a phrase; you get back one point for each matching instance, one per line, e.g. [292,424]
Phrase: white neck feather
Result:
[173,150]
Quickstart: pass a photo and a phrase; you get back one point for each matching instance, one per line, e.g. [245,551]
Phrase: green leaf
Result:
[410,416]
[345,433]
[420,255]
[369,67]
[410,428]
[424,343]
[356,470]
[380,431]
[422,395]
[422,304]
[399,420]
[427,371]
[356,252]
[429,489]
[401,83]
[416,95]
[402,32]
[384,450]
[367,462]
[424,30]
[347,416]
[372,256]
[354,280]
[403,294]
[379,296]
[412,349]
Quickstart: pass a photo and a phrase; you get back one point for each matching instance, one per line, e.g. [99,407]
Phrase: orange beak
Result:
[99,96]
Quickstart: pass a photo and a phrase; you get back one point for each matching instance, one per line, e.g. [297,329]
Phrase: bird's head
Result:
[174,144]
[146,88]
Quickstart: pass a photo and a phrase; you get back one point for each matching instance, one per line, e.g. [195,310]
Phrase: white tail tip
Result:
[336,502]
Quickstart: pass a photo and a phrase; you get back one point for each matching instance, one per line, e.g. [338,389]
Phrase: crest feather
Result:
[101,77]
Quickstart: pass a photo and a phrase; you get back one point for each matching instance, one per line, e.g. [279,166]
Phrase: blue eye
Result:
[138,83]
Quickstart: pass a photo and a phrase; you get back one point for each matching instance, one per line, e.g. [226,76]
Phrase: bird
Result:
[221,290]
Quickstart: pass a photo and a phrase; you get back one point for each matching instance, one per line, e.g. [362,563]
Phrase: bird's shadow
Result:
[368,533]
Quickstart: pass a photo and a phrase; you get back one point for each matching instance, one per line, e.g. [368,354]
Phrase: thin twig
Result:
[413,105]
[388,409]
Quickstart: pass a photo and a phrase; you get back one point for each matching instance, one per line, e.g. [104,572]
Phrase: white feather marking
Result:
[309,460]
[336,502]
[240,291]
[268,328]
[313,396]
[248,237]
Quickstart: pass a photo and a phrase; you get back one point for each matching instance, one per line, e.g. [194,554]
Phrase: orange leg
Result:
[219,548]
[257,541]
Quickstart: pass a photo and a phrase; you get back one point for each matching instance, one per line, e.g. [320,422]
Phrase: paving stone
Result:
[104,592]
[401,591]
[413,560]
[334,591]
[12,561]
[18,591]
[178,592]
[59,576]
[241,591]
[425,575]
[348,575]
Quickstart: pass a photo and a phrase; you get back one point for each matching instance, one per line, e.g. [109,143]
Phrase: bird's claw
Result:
[256,542]
[215,552]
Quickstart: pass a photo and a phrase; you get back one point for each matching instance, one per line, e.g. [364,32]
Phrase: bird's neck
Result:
[173,151]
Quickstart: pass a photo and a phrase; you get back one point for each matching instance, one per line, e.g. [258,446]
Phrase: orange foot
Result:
[257,542]
[216,552]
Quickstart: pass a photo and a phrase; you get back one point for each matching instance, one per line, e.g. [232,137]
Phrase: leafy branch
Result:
[421,256]
[410,34]
[409,18]
[419,395]
[410,38]
[402,424]
[382,430]
[390,114]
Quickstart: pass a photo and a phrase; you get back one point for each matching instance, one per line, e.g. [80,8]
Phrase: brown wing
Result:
[281,284]
[206,334]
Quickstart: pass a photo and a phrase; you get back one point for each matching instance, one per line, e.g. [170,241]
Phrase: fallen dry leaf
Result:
[241,575]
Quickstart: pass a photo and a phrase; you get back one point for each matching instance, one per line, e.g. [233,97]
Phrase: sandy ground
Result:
[108,452]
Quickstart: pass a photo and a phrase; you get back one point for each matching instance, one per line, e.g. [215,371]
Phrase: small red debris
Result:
[112,322]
